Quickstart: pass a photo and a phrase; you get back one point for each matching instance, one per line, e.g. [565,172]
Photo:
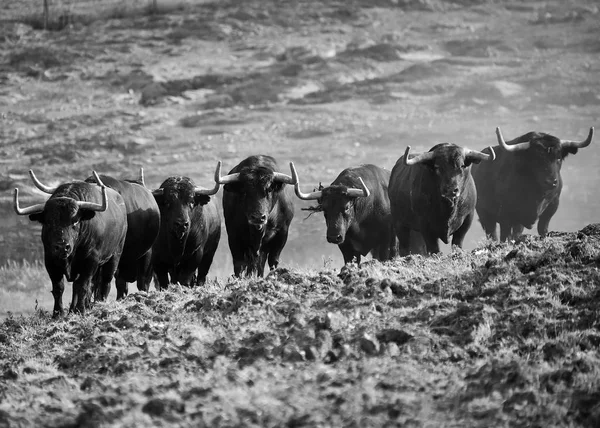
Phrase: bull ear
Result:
[277,186]
[201,199]
[159,198]
[566,151]
[37,217]
[86,215]
[234,187]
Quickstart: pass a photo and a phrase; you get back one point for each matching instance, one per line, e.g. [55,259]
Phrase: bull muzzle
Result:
[335,238]
[258,220]
[61,250]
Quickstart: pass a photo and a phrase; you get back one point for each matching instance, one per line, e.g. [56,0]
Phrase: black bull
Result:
[357,212]
[143,223]
[258,211]
[83,232]
[189,234]
[434,194]
[524,184]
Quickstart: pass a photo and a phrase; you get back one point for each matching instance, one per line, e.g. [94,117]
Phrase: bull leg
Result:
[161,272]
[274,248]
[209,253]
[432,243]
[58,288]
[82,287]
[122,289]
[144,272]
[488,222]
[544,220]
[417,243]
[107,272]
[186,270]
[403,234]
[349,253]
[517,231]
[459,235]
[505,231]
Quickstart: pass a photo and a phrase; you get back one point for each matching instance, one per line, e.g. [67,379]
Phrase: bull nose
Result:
[62,248]
[258,219]
[335,239]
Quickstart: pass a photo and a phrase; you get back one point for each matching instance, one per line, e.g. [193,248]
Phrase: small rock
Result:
[369,344]
[398,337]
[218,101]
[10,374]
[335,321]
[392,349]
[158,406]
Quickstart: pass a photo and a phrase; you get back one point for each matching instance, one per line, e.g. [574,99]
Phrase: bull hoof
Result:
[58,314]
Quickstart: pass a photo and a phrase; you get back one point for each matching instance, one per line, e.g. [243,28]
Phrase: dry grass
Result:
[503,335]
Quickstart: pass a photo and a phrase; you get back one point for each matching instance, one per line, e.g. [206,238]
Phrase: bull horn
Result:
[92,206]
[157,192]
[509,147]
[579,144]
[417,159]
[34,209]
[230,178]
[97,178]
[480,156]
[362,192]
[210,192]
[304,196]
[283,178]
[141,179]
[40,185]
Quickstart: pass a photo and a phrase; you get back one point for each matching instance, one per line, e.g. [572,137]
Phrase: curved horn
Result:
[157,192]
[92,206]
[34,209]
[480,156]
[141,178]
[510,147]
[304,196]
[97,178]
[209,192]
[230,178]
[418,158]
[579,144]
[357,193]
[40,185]
[283,178]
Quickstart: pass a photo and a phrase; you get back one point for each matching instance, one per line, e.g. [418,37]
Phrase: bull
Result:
[524,185]
[258,211]
[190,231]
[143,222]
[83,232]
[434,194]
[356,207]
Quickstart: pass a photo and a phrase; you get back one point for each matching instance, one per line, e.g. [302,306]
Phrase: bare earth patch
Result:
[500,335]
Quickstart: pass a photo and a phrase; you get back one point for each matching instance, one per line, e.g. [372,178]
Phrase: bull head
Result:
[177,198]
[60,217]
[257,188]
[352,192]
[337,203]
[518,145]
[450,164]
[540,157]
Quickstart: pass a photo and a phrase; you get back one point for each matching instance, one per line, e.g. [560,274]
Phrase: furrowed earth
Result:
[495,335]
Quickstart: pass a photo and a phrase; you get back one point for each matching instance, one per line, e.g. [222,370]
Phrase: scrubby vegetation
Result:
[505,335]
